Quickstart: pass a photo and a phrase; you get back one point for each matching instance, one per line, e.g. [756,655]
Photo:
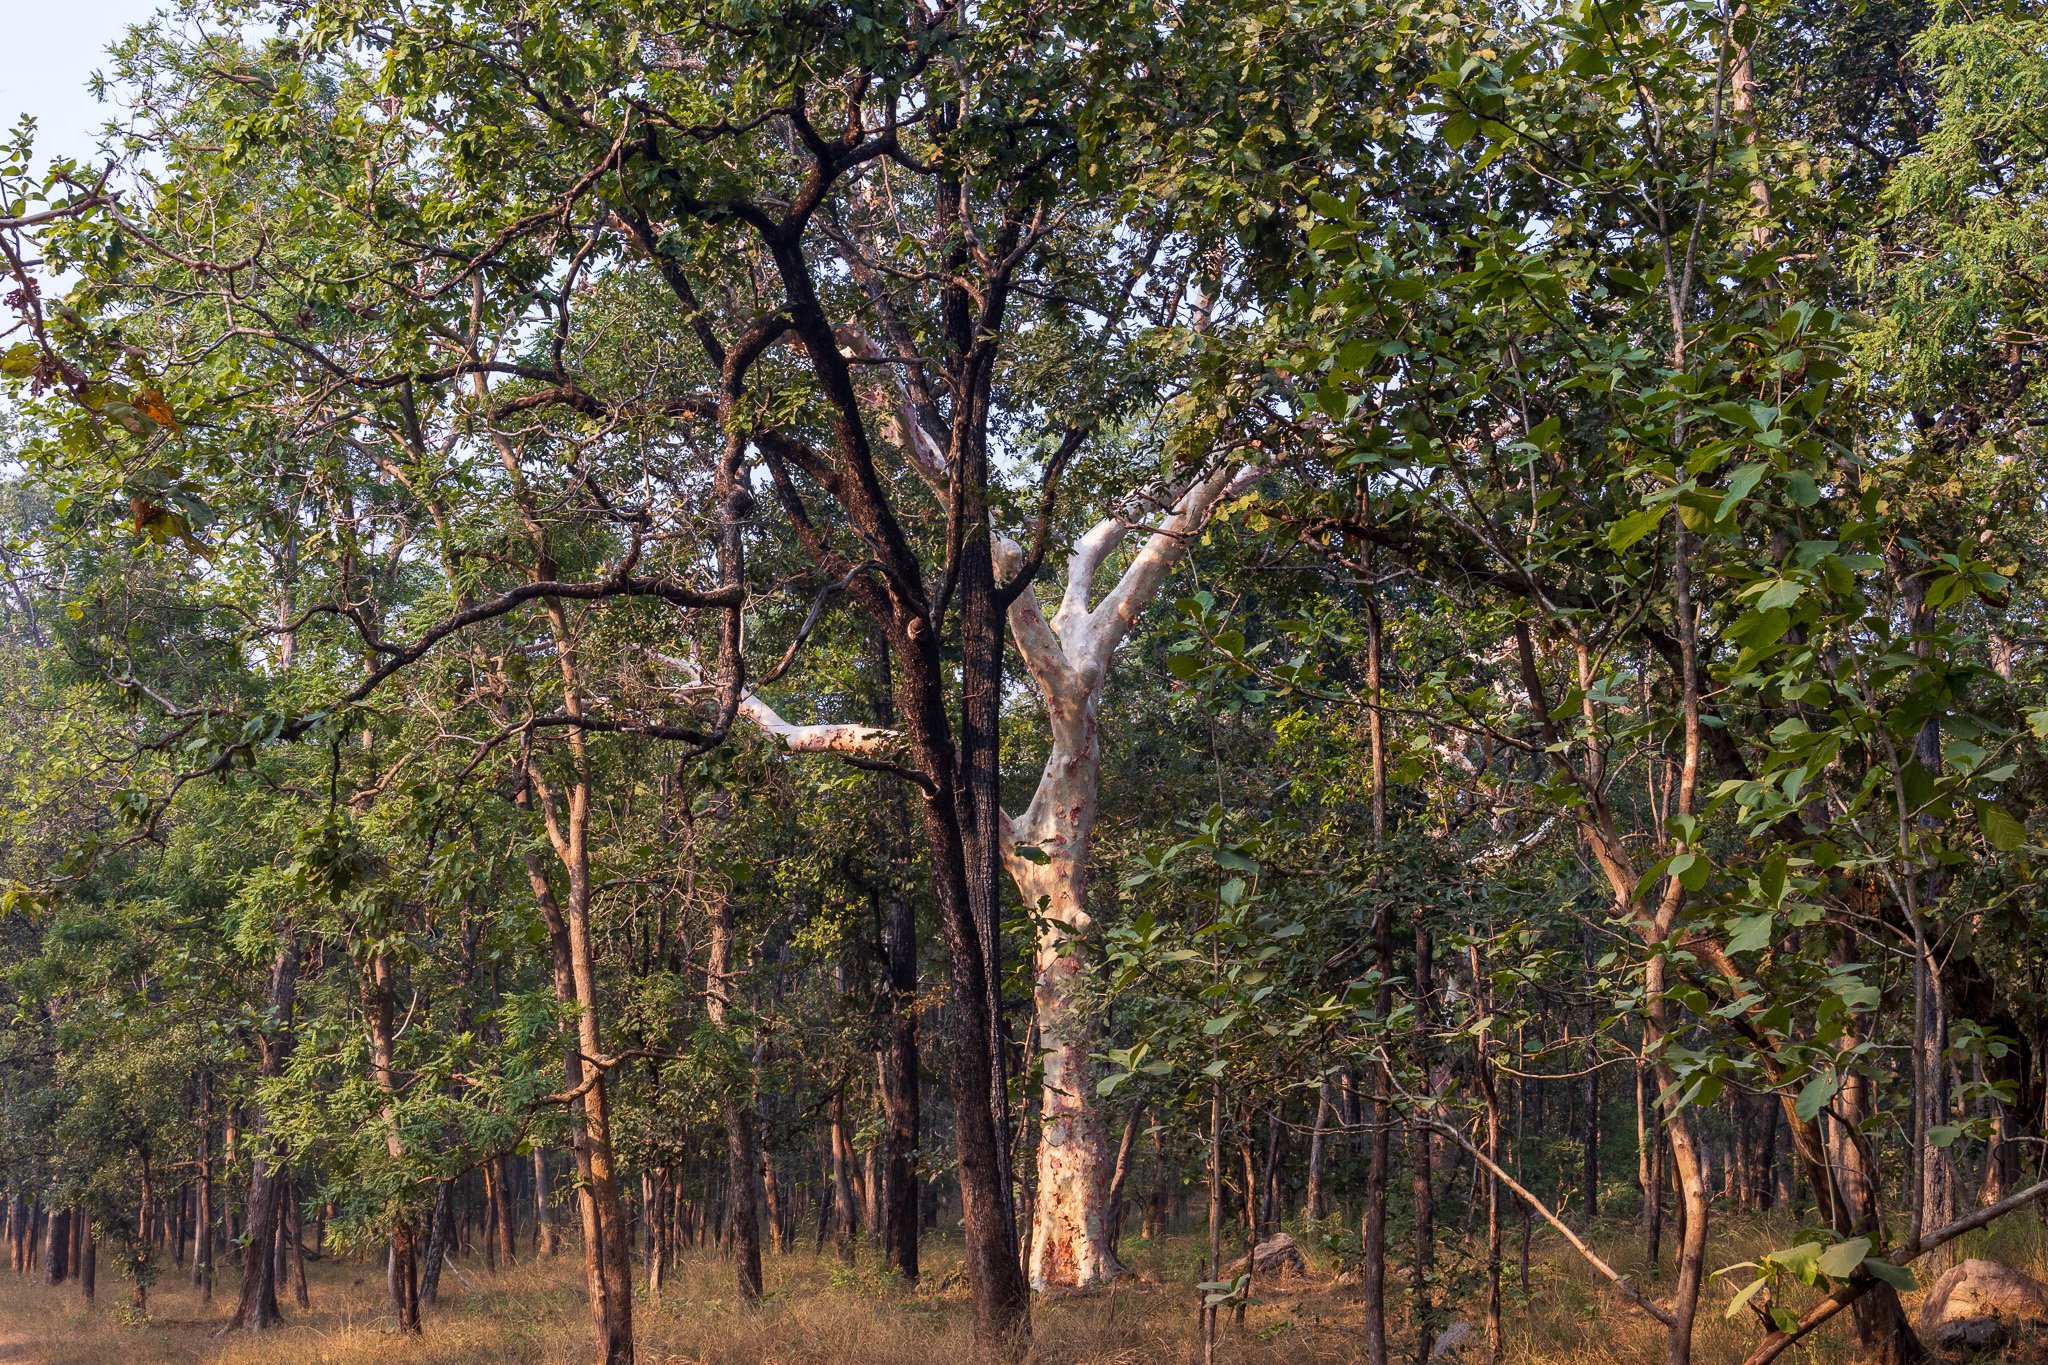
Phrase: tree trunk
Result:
[899,1077]
[1378,1109]
[1312,1201]
[1883,1334]
[440,1233]
[202,1196]
[607,1260]
[402,1265]
[843,1232]
[1422,1166]
[402,1277]
[1070,1236]
[547,1233]
[742,1218]
[256,1309]
[1119,1175]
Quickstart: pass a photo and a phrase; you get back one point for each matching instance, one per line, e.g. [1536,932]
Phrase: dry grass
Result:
[817,1313]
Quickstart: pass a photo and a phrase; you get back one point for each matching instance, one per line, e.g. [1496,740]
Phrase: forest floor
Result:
[820,1313]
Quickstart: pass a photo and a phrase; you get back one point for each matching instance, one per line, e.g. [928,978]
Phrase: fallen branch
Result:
[1592,1257]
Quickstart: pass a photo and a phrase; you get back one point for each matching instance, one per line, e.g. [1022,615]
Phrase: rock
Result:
[1982,1305]
[1450,1343]
[1276,1258]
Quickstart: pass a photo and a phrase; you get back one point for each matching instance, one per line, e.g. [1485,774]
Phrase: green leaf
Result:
[1815,1095]
[1741,1300]
[1633,528]
[1839,1261]
[1740,483]
[2001,831]
[1691,869]
[1897,1276]
[1752,933]
[1782,593]
[1797,1260]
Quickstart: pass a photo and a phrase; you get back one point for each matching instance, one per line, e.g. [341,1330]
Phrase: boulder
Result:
[1982,1305]
[1276,1258]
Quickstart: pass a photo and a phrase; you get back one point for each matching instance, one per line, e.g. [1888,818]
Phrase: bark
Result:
[771,1195]
[1119,1175]
[402,1277]
[506,1226]
[900,1079]
[607,1263]
[1379,1112]
[402,1269]
[547,1234]
[742,1218]
[256,1309]
[1422,1169]
[1312,1201]
[1489,1093]
[440,1233]
[57,1247]
[843,1232]
[295,1236]
[1046,853]
[89,1264]
[202,1215]
[1884,1336]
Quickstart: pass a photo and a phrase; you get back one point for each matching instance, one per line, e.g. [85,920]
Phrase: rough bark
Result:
[440,1232]
[256,1309]
[547,1234]
[742,1217]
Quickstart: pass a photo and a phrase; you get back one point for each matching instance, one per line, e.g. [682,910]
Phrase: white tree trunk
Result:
[1046,854]
[1070,1235]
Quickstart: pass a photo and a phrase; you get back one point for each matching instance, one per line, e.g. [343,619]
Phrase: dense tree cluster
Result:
[634,624]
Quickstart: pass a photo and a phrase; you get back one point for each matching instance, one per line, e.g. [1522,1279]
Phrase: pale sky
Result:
[53,46]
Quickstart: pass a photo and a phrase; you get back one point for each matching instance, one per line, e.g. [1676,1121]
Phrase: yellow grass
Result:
[818,1313]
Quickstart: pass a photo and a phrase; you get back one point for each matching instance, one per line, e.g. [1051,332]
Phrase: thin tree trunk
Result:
[742,1219]
[1423,1168]
[202,1217]
[440,1236]
[256,1309]
[1312,1201]
[547,1230]
[1379,1110]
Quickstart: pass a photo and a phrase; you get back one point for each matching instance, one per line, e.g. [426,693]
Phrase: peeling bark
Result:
[1046,854]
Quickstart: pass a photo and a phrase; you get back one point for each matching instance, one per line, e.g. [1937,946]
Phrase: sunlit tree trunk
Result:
[1046,853]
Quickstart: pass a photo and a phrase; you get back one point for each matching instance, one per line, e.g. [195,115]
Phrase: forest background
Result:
[644,633]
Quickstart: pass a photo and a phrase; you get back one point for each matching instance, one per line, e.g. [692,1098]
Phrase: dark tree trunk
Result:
[742,1219]
[256,1310]
[501,1209]
[440,1232]
[402,1274]
[57,1247]
[899,1061]
[1424,1173]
